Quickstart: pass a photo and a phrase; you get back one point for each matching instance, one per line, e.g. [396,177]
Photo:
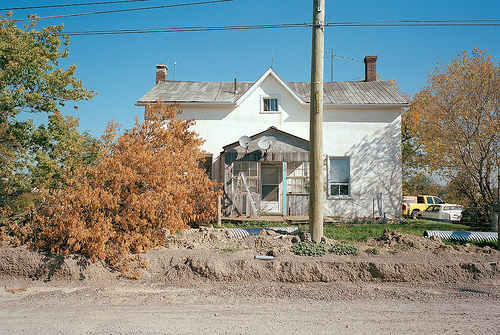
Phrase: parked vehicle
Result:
[442,212]
[413,204]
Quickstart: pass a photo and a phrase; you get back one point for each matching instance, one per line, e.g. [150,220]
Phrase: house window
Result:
[270,105]
[338,176]
[206,164]
[297,177]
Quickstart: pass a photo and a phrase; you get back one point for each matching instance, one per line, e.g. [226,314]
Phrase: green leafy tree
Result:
[415,181]
[58,150]
[411,153]
[419,183]
[457,123]
[14,182]
[30,81]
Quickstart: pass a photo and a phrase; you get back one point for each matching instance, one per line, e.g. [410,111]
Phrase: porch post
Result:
[284,189]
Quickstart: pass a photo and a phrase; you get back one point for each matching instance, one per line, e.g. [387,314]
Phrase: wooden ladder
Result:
[237,197]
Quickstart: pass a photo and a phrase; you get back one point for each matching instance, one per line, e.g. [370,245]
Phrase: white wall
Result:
[370,136]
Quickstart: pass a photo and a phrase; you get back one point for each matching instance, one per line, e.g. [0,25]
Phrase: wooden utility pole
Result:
[317,182]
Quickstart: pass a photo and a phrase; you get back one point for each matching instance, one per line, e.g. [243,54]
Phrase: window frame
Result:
[297,178]
[276,97]
[329,182]
[252,178]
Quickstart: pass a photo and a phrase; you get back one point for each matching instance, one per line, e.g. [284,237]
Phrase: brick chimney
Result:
[370,68]
[161,73]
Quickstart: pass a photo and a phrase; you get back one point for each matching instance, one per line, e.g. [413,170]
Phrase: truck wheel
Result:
[414,215]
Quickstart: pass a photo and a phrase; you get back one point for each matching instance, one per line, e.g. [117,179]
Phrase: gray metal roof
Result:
[192,91]
[352,93]
[337,93]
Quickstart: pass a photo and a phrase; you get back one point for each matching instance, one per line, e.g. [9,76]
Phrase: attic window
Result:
[270,105]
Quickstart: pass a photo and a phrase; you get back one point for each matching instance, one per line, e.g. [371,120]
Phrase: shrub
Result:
[148,180]
[308,249]
[372,251]
[344,249]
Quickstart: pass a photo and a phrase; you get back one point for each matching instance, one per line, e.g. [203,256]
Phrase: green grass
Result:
[357,232]
[348,232]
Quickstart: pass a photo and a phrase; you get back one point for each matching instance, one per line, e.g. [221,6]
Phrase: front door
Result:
[271,176]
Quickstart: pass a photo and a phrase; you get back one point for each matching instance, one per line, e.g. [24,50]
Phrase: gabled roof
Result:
[271,73]
[350,93]
[287,148]
[271,129]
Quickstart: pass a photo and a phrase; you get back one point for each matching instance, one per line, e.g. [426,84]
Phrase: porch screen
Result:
[270,183]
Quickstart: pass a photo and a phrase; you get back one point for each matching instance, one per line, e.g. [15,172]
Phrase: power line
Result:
[282,26]
[128,10]
[417,23]
[73,5]
[184,29]
[420,21]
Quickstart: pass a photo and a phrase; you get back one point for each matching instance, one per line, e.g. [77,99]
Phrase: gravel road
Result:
[128,307]
[210,283]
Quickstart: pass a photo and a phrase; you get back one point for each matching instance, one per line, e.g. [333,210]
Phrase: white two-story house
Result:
[257,141]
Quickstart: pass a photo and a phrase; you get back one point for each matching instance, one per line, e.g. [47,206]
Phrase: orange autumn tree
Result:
[456,121]
[148,180]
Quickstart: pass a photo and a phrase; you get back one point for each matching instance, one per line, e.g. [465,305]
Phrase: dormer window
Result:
[270,104]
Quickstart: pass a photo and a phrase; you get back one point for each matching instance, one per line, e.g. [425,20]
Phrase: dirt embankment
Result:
[209,282]
[214,255]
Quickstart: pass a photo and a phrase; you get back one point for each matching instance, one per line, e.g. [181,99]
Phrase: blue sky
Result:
[121,68]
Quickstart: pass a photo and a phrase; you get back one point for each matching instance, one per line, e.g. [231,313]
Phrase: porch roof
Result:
[288,148]
[272,128]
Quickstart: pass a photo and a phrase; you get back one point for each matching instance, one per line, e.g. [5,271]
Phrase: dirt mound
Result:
[23,263]
[391,241]
[215,255]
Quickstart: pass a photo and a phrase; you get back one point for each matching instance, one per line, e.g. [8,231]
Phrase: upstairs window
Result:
[270,105]
[338,176]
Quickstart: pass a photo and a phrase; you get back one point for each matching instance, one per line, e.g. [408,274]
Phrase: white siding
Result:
[369,136]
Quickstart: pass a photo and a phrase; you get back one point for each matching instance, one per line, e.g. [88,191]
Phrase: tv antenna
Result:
[175,65]
[245,141]
[339,57]
[266,142]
